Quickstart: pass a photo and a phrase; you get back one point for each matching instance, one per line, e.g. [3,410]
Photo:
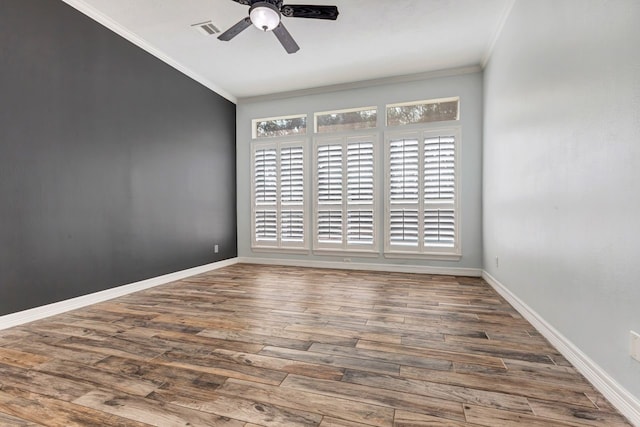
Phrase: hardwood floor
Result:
[252,345]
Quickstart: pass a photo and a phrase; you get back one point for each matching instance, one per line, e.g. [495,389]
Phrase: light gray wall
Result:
[561,181]
[467,86]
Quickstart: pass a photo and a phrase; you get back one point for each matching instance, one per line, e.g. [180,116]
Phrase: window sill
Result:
[344,252]
[266,249]
[427,256]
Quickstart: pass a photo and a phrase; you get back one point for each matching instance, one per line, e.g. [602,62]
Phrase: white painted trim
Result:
[492,44]
[390,268]
[41,312]
[363,84]
[615,393]
[104,20]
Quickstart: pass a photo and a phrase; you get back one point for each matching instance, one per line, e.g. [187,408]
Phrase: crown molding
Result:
[104,20]
[492,44]
[363,84]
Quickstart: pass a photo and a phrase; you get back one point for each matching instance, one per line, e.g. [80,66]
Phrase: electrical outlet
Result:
[635,345]
[215,249]
[497,262]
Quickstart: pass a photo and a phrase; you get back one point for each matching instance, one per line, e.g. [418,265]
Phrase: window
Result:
[345,120]
[279,126]
[435,110]
[278,195]
[421,193]
[345,193]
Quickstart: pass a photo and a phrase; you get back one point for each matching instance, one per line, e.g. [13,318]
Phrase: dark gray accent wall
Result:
[114,167]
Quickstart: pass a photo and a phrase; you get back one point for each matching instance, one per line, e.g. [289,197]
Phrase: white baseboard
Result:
[391,268]
[619,397]
[26,316]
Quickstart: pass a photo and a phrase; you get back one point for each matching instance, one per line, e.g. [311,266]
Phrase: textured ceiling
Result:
[371,39]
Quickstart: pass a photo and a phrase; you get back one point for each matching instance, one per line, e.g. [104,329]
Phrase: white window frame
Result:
[254,127]
[343,139]
[346,110]
[421,133]
[279,245]
[422,102]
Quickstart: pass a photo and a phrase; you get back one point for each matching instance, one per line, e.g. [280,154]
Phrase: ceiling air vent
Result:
[206,28]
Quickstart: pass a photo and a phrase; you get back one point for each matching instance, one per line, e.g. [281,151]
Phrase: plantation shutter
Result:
[278,195]
[265,194]
[345,193]
[439,191]
[360,193]
[292,194]
[404,182]
[329,170]
[421,192]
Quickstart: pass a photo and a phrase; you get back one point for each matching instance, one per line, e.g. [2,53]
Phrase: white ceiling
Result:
[371,39]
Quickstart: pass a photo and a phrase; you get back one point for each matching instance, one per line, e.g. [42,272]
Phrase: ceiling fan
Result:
[267,16]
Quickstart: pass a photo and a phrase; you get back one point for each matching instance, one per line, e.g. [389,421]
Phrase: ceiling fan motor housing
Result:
[264,15]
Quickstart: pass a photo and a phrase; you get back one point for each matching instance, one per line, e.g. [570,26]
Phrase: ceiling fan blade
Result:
[310,11]
[244,2]
[285,38]
[235,30]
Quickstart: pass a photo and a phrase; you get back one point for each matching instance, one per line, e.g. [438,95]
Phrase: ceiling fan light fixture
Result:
[264,16]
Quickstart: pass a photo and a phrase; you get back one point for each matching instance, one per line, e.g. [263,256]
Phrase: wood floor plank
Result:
[337,361]
[439,391]
[315,403]
[46,349]
[238,408]
[413,419]
[347,332]
[448,355]
[83,374]
[513,386]
[42,383]
[267,345]
[164,377]
[336,422]
[57,413]
[576,414]
[218,366]
[151,412]
[176,339]
[312,370]
[10,421]
[383,356]
[261,339]
[21,359]
[442,408]
[491,417]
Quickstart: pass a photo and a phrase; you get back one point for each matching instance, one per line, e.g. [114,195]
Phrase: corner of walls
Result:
[37,313]
[109,23]
[620,397]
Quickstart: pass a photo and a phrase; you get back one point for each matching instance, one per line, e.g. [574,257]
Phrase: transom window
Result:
[434,110]
[346,120]
[279,126]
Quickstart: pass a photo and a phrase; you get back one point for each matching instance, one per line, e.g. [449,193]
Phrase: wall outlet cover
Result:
[635,345]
